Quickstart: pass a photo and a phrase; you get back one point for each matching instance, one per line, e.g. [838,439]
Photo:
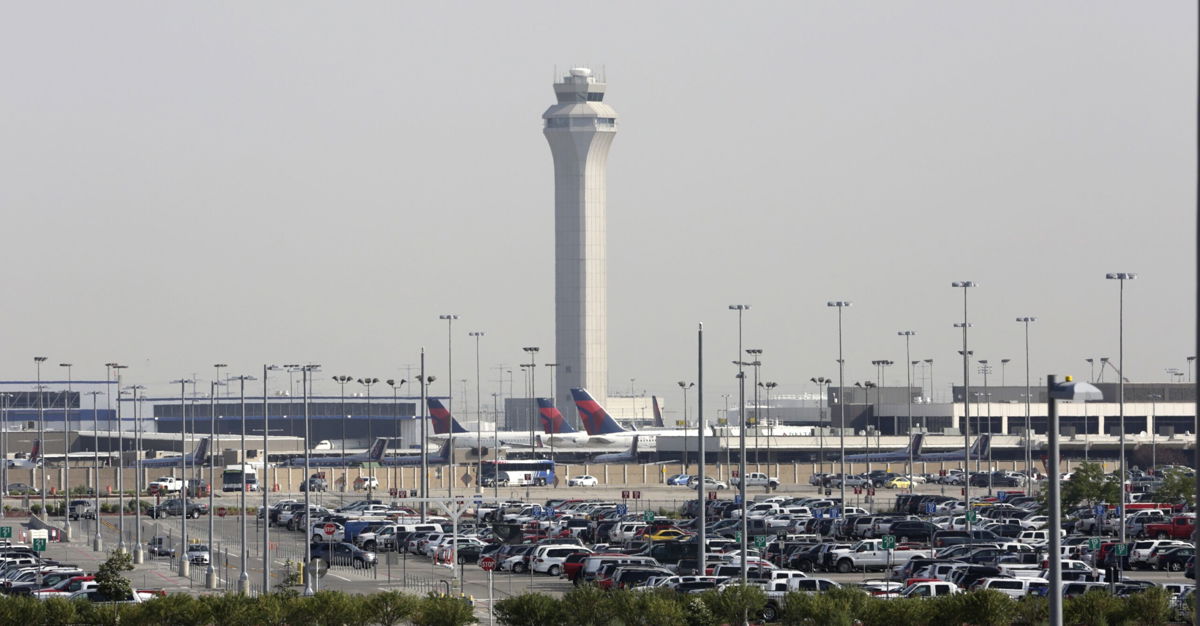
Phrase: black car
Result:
[913,530]
[468,553]
[85,509]
[1175,559]
[1009,531]
[176,506]
[314,484]
[343,554]
[943,538]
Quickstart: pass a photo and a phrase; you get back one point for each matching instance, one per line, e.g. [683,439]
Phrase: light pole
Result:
[243,584]
[1026,320]
[741,377]
[929,362]
[1091,363]
[117,367]
[449,319]
[210,572]
[908,335]
[477,335]
[966,285]
[880,366]
[769,385]
[368,382]
[97,540]
[867,386]
[309,571]
[532,350]
[1121,277]
[425,381]
[1004,372]
[685,387]
[1103,366]
[985,369]
[266,457]
[1190,361]
[1154,398]
[396,385]
[841,305]
[38,360]
[185,566]
[756,355]
[341,381]
[139,556]
[66,484]
[553,400]
[822,383]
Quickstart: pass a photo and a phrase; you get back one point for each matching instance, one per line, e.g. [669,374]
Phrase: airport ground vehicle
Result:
[536,472]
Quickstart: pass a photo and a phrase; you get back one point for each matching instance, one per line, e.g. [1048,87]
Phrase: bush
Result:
[1152,607]
[109,579]
[177,609]
[440,610]
[588,605]
[988,607]
[1094,608]
[530,609]
[646,608]
[897,612]
[1032,611]
[391,607]
[735,601]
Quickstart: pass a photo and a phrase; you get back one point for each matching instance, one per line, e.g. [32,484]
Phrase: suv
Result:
[756,479]
[343,554]
[84,509]
[175,506]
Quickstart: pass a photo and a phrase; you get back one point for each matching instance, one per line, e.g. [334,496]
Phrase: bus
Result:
[504,473]
[237,477]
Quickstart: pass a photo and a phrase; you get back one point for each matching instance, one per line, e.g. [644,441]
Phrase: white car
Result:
[710,483]
[197,553]
[366,482]
[319,534]
[583,480]
[550,559]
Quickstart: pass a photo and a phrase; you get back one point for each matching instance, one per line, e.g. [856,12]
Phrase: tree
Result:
[441,610]
[529,609]
[391,607]
[109,579]
[1089,484]
[1177,486]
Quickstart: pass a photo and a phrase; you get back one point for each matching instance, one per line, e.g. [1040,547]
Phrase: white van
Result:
[592,564]
[1013,587]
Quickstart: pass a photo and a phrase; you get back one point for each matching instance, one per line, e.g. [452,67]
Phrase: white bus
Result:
[237,477]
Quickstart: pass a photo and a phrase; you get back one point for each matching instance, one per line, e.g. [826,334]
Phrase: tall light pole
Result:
[210,572]
[929,362]
[768,385]
[908,335]
[66,484]
[986,369]
[341,380]
[1004,372]
[966,285]
[867,386]
[266,538]
[97,540]
[756,362]
[185,566]
[1026,320]
[243,584]
[532,350]
[37,361]
[841,305]
[310,573]
[477,335]
[685,387]
[1121,277]
[368,382]
[139,556]
[702,543]
[553,400]
[449,319]
[822,383]
[1091,363]
[1190,360]
[425,381]
[741,378]
[396,385]
[117,367]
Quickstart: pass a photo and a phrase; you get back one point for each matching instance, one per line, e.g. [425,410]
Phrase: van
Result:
[592,564]
[1013,587]
[1037,537]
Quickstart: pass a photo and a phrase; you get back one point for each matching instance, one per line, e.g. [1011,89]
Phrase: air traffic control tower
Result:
[580,128]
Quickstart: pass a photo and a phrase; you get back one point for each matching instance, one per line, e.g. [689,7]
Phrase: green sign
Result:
[972,516]
[737,536]
[888,542]
[648,516]
[5,532]
[760,541]
[1094,543]
[1122,549]
[39,545]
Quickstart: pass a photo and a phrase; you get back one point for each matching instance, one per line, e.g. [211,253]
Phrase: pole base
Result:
[243,586]
[97,544]
[210,578]
[185,568]
[139,556]
[68,533]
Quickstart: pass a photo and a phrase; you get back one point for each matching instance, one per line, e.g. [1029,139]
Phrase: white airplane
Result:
[34,460]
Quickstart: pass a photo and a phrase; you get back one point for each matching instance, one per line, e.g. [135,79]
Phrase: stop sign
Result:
[330,529]
[487,563]
[221,511]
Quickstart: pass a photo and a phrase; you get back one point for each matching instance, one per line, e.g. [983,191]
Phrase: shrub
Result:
[988,607]
[177,609]
[696,612]
[236,610]
[109,579]
[588,605]
[440,610]
[57,611]
[897,612]
[1152,607]
[1032,611]
[1094,608]
[391,607]
[735,601]
[529,609]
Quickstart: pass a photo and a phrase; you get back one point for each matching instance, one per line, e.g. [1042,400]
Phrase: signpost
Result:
[329,529]
[1094,544]
[760,542]
[222,511]
[888,542]
[5,532]
[488,564]
[648,516]
[39,545]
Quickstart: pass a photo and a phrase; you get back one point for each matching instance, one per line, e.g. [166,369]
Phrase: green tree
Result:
[391,607]
[1090,485]
[731,603]
[530,609]
[1177,486]
[1151,607]
[588,605]
[440,610]
[109,579]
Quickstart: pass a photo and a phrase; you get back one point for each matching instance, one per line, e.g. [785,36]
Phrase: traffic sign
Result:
[622,509]
[5,532]
[329,529]
[972,516]
[39,545]
[737,498]
[887,542]
[930,507]
[487,563]
[1122,549]
[222,511]
[648,516]
[1094,543]
[637,495]
[1099,510]
[760,542]
[737,536]
[624,495]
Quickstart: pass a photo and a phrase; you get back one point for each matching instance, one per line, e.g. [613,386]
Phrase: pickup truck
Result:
[1180,527]
[165,484]
[869,554]
[777,591]
[756,479]
[175,506]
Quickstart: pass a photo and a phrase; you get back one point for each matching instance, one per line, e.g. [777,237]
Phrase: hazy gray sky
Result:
[188,183]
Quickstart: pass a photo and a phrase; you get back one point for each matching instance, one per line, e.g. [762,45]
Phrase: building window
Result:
[595,96]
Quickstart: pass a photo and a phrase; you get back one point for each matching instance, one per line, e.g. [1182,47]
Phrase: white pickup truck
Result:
[165,484]
[756,479]
[869,554]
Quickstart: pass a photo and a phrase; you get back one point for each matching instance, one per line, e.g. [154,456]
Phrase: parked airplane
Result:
[602,428]
[444,422]
[658,420]
[441,458]
[914,446]
[196,459]
[628,456]
[558,430]
[373,455]
[978,450]
[34,460]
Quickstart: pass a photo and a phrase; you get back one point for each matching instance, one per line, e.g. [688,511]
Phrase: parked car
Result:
[679,480]
[343,554]
[84,509]
[175,506]
[583,480]
[197,554]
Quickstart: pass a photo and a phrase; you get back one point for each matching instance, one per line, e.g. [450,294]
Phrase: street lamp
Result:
[966,285]
[66,484]
[477,334]
[425,382]
[532,351]
[822,383]
[210,572]
[841,305]
[1121,277]
[908,335]
[310,573]
[117,367]
[1091,363]
[756,354]
[449,319]
[243,584]
[97,540]
[395,385]
[341,381]
[139,556]
[185,565]
[367,382]
[769,385]
[867,386]
[266,538]
[38,360]
[1028,427]
[741,376]
[685,387]
[929,362]
[985,369]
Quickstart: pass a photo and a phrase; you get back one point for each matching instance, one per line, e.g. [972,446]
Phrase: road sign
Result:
[760,541]
[1094,543]
[487,563]
[5,532]
[39,545]
[1122,549]
[648,516]
[637,495]
[622,509]
[222,511]
[972,516]
[624,495]
[737,536]
[930,507]
[329,529]
[737,498]
[887,542]
[1099,510]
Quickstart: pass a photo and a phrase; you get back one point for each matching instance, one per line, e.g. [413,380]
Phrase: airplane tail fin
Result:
[375,454]
[914,446]
[36,453]
[595,419]
[443,455]
[981,446]
[201,453]
[552,419]
[633,448]
[443,421]
[658,420]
